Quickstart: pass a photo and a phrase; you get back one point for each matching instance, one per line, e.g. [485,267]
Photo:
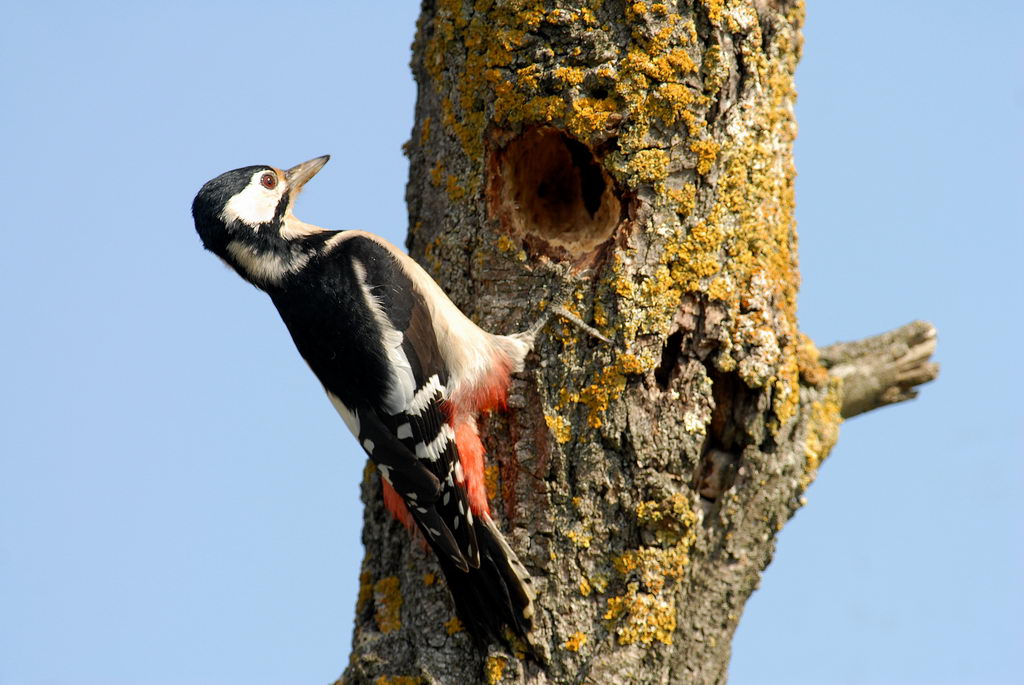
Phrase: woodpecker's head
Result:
[245,217]
[251,204]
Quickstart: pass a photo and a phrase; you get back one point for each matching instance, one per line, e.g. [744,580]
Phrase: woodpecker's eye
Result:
[268,181]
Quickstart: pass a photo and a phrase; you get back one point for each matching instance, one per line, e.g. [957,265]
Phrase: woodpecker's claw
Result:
[531,333]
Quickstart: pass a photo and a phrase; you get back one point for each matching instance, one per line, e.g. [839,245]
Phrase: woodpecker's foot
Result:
[578,322]
[531,333]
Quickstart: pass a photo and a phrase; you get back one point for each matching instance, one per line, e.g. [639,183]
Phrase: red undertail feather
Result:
[396,505]
[471,456]
[489,394]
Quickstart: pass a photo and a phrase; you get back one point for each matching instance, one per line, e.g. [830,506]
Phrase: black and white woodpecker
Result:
[406,370]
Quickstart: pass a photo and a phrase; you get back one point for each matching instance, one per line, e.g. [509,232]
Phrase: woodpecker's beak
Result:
[300,173]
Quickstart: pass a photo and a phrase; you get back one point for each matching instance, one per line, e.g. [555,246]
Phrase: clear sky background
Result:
[179,502]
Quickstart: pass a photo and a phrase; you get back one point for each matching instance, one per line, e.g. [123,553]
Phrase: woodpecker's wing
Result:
[413,406]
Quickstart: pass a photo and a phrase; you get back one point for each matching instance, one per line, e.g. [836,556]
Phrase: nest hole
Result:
[547,185]
[670,356]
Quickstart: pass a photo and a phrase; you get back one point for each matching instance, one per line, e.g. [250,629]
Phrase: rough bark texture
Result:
[634,162]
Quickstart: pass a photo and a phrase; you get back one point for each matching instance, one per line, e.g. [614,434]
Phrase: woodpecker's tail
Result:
[495,595]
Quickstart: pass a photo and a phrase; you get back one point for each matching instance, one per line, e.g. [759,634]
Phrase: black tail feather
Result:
[496,595]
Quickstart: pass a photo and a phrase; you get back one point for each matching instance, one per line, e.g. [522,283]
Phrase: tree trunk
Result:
[632,162]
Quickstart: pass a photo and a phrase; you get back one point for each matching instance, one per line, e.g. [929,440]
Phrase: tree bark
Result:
[632,162]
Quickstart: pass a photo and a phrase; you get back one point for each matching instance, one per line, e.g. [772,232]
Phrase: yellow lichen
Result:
[684,199]
[714,8]
[580,538]
[822,430]
[570,76]
[645,613]
[642,617]
[590,114]
[453,625]
[494,669]
[425,131]
[575,641]
[715,71]
[655,565]
[585,588]
[607,387]
[648,166]
[707,151]
[743,251]
[437,173]
[808,363]
[398,680]
[455,191]
[387,598]
[560,427]
[491,474]
[429,579]
[505,243]
[675,510]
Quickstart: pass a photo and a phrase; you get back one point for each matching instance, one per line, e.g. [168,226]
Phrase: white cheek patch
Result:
[255,205]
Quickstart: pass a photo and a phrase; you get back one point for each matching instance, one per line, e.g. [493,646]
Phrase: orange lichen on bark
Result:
[645,612]
[575,641]
[491,474]
[398,680]
[387,599]
[560,427]
[453,625]
[642,617]
[809,363]
[607,387]
[823,431]
[494,669]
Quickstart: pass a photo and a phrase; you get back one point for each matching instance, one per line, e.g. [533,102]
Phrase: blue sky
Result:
[178,501]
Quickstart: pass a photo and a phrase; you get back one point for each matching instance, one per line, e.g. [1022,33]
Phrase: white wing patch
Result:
[424,396]
[432,451]
[402,384]
[349,416]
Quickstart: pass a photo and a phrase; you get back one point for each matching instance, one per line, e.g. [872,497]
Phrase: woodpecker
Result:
[407,371]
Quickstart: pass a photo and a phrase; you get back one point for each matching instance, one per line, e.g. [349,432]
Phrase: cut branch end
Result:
[884,369]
